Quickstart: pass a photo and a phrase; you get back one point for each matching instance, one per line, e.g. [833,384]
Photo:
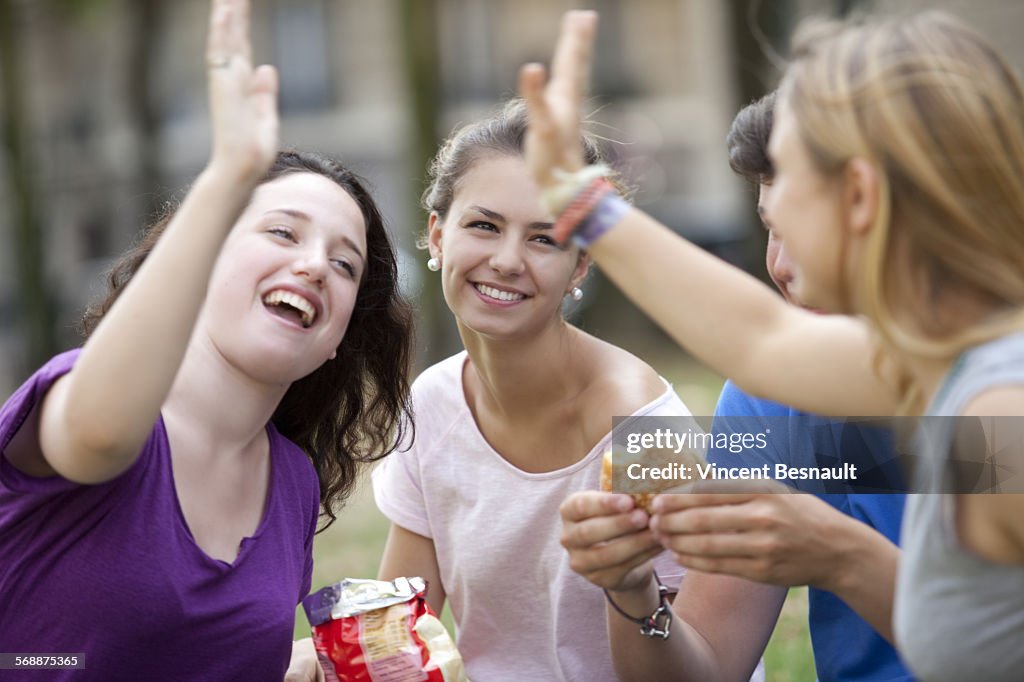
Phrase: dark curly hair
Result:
[354,408]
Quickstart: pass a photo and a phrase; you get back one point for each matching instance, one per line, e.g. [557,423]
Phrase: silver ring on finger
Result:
[218,61]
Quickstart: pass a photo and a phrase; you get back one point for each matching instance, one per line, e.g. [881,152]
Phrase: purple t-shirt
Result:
[111,571]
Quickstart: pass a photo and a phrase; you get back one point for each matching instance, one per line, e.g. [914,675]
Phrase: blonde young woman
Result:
[898,150]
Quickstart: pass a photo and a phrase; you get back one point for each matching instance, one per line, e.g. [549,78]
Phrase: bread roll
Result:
[644,490]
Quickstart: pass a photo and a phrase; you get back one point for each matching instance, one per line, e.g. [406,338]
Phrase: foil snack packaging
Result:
[380,631]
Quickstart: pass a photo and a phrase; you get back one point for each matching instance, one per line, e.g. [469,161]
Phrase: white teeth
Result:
[278,296]
[498,293]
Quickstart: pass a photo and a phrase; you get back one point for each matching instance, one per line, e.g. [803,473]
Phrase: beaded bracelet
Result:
[659,622]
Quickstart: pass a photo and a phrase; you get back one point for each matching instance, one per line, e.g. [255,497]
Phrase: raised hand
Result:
[93,428]
[553,140]
[608,540]
[243,100]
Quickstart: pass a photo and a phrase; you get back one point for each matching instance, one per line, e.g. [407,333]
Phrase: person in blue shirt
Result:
[892,198]
[840,542]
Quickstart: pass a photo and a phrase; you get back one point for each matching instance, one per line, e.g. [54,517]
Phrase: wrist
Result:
[232,185]
[855,547]
[654,620]
[641,594]
[594,209]
[245,174]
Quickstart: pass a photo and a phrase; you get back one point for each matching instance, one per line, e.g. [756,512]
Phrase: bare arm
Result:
[866,580]
[94,420]
[740,327]
[989,524]
[725,317]
[722,623]
[407,554]
[781,539]
[721,628]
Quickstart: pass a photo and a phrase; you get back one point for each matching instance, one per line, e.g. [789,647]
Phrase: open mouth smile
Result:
[290,306]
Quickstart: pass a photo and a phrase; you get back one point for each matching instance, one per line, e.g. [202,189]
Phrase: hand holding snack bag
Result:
[380,631]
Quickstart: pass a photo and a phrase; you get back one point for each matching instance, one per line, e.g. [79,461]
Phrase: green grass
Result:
[353,545]
[788,657]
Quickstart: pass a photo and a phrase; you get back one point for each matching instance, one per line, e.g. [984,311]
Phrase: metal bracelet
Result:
[659,622]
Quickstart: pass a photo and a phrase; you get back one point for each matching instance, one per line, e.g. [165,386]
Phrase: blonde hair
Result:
[940,115]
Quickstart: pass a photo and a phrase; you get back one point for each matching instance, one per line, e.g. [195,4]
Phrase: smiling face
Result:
[502,273]
[803,209]
[284,287]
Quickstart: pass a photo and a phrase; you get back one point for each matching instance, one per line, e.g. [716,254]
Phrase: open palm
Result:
[553,142]
[243,99]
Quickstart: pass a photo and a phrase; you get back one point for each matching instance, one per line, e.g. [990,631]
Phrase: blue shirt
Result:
[845,646]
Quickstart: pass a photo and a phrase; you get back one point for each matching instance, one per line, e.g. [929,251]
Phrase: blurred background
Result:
[103,119]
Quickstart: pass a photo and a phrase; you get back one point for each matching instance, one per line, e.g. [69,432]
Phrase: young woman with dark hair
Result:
[160,487]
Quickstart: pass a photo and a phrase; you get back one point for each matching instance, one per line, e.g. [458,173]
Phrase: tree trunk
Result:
[421,63]
[35,308]
[146,24]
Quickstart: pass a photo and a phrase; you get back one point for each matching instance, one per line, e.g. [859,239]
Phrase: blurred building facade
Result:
[113,100]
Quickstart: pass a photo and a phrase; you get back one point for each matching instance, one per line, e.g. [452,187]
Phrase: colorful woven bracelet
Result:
[568,184]
[579,208]
[606,214]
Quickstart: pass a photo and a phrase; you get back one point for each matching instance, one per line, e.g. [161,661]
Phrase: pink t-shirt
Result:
[521,612]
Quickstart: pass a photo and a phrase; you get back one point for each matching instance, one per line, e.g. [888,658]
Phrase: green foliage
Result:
[83,10]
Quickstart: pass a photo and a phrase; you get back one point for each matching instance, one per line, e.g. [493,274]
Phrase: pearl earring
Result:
[434,264]
[576,293]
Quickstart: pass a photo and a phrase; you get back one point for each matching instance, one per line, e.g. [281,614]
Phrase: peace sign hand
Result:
[243,100]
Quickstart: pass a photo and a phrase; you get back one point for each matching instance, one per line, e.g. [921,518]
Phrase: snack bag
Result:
[379,631]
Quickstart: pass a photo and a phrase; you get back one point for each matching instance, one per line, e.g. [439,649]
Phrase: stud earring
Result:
[576,293]
[434,264]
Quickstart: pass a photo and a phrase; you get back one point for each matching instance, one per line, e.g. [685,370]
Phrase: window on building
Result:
[302,55]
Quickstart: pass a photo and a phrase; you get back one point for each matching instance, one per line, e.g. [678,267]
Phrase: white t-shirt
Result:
[521,612]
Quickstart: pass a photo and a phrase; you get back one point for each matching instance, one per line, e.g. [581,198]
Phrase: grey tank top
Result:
[958,616]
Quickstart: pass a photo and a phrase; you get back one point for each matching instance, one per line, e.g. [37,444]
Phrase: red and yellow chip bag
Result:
[379,631]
